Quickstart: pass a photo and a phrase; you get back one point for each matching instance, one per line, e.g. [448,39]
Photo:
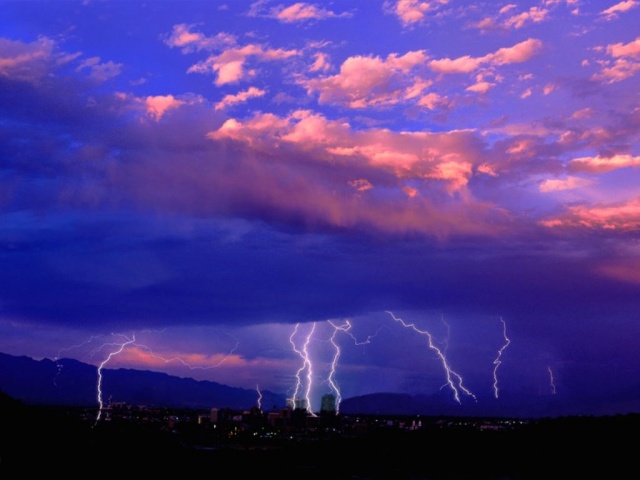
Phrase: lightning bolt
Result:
[259,397]
[306,365]
[334,363]
[345,327]
[454,380]
[119,349]
[497,361]
[116,348]
[551,381]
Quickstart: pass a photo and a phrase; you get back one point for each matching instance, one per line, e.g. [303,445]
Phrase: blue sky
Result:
[207,175]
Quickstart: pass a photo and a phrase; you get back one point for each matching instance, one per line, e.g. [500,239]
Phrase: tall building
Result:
[328,403]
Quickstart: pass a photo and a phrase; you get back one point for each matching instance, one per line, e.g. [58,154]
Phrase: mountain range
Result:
[74,383]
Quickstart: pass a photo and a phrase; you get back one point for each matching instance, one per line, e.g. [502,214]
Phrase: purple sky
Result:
[207,175]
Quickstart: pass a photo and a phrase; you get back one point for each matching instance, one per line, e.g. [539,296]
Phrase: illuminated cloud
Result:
[362,185]
[447,157]
[303,11]
[413,11]
[622,216]
[613,11]
[182,36]
[371,81]
[229,65]
[158,105]
[601,164]
[569,183]
[520,52]
[240,97]
[30,61]
[624,64]
[505,20]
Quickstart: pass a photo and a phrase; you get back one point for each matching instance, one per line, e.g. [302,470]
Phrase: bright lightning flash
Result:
[119,349]
[454,380]
[259,397]
[497,361]
[306,365]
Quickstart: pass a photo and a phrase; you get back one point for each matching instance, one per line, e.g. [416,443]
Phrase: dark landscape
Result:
[243,440]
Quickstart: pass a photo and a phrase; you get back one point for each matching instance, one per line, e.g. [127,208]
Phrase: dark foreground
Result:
[57,441]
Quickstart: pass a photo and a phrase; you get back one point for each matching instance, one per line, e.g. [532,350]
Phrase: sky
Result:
[395,189]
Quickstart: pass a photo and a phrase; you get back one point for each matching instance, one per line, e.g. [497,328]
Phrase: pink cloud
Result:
[361,184]
[240,97]
[534,15]
[183,37]
[229,65]
[463,64]
[414,11]
[631,49]
[158,105]
[601,164]
[445,157]
[569,183]
[31,61]
[520,52]
[623,216]
[371,81]
[625,61]
[303,11]
[321,63]
[624,6]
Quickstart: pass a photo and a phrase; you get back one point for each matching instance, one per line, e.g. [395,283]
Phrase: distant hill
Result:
[73,383]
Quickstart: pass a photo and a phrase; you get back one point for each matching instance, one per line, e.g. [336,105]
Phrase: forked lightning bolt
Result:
[497,361]
[116,348]
[455,385]
[120,348]
[345,327]
[306,365]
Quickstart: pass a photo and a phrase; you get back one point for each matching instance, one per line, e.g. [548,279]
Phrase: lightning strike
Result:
[345,327]
[454,380]
[306,365]
[497,361]
[119,349]
[551,381]
[259,397]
